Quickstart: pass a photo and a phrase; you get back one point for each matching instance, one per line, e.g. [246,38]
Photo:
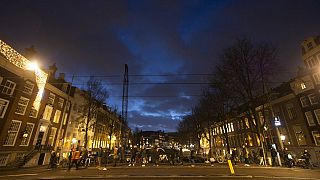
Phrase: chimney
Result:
[52,70]
[61,76]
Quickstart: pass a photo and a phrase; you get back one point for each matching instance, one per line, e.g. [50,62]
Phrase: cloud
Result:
[153,37]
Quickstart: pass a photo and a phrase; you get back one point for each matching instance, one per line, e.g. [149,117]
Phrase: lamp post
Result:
[277,123]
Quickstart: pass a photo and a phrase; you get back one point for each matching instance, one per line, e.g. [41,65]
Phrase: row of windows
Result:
[25,135]
[310,118]
[311,99]
[9,87]
[13,133]
[313,62]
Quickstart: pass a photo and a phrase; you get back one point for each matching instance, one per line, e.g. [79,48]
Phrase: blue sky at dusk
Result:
[163,42]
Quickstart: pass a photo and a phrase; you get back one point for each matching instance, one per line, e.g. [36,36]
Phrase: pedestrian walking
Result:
[287,157]
[234,156]
[171,156]
[115,154]
[245,154]
[144,157]
[53,160]
[180,156]
[156,156]
[75,158]
[100,153]
[192,157]
[261,157]
[133,156]
[274,155]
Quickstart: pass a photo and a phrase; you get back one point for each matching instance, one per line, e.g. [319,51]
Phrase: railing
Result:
[45,148]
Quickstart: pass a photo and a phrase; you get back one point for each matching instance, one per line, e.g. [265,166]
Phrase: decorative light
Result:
[282,137]
[32,66]
[43,128]
[21,62]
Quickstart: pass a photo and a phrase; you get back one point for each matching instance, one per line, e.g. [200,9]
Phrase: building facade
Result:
[34,113]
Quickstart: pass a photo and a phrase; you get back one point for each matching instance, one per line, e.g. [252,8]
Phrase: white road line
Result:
[284,177]
[18,175]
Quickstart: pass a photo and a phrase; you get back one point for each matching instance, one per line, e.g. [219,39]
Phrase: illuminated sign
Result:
[277,121]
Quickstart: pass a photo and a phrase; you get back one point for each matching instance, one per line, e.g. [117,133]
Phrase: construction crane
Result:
[125,94]
[124,112]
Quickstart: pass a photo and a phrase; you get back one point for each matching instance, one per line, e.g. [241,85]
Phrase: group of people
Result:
[154,156]
[143,156]
[261,157]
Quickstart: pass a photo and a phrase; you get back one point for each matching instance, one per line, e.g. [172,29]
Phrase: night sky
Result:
[169,45]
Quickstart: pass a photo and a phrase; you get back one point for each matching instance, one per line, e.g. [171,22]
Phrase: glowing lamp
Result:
[32,66]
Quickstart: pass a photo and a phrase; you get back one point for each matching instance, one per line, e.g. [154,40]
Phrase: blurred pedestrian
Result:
[274,155]
[100,153]
[74,159]
[306,155]
[133,156]
[261,157]
[245,153]
[156,156]
[53,160]
[234,156]
[192,157]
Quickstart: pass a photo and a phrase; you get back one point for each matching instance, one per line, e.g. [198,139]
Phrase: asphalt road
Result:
[164,172]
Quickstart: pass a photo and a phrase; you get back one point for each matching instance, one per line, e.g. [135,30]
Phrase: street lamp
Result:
[277,123]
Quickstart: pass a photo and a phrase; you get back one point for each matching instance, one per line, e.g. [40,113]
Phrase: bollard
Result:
[231,167]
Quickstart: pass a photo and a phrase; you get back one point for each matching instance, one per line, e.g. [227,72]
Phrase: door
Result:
[39,140]
[41,158]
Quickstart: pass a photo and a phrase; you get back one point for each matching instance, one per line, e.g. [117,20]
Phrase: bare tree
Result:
[95,96]
[244,70]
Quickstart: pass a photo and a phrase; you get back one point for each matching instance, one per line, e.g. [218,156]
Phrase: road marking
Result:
[17,175]
[284,177]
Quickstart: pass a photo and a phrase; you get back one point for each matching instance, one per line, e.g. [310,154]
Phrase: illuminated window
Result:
[303,86]
[60,102]
[4,158]
[33,112]
[12,133]
[313,99]
[283,131]
[51,99]
[52,135]
[22,105]
[301,140]
[3,107]
[57,116]
[291,111]
[304,101]
[65,117]
[310,118]
[8,87]
[28,87]
[67,106]
[312,62]
[47,112]
[317,113]
[317,78]
[316,137]
[27,134]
